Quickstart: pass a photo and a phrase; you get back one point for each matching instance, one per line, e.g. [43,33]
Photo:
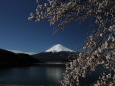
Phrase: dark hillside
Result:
[8,58]
[54,56]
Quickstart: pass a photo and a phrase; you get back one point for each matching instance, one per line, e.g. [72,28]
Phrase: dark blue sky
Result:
[17,33]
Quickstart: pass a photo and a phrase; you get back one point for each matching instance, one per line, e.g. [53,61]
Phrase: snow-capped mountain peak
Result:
[59,48]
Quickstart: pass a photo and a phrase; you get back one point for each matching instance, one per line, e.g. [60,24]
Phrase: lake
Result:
[40,74]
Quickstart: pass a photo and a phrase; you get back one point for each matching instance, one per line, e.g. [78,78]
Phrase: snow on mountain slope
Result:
[17,51]
[59,48]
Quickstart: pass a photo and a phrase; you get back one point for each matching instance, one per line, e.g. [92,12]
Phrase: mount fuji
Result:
[59,48]
[57,53]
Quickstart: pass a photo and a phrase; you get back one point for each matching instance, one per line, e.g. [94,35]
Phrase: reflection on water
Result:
[54,74]
[38,74]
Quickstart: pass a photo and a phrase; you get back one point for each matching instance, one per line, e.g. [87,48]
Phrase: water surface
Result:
[45,74]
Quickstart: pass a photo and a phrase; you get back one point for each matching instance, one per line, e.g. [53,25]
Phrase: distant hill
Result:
[8,58]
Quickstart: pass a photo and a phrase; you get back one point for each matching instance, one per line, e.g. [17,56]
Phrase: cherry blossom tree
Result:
[100,46]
